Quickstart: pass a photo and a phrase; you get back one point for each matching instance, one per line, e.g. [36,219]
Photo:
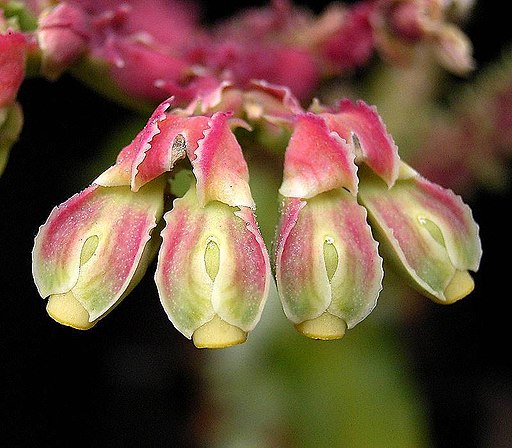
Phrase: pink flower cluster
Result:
[140,53]
[344,188]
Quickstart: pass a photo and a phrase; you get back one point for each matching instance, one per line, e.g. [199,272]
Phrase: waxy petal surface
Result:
[316,160]
[165,139]
[220,168]
[361,125]
[119,222]
[429,231]
[274,102]
[306,288]
[238,290]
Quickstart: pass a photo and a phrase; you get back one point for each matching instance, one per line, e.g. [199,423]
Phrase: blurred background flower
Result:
[413,374]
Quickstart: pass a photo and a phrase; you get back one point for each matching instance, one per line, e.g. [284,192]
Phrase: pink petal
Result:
[178,135]
[316,160]
[219,166]
[361,125]
[165,139]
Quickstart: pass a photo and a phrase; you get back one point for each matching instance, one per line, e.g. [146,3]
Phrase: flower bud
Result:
[63,37]
[12,66]
[426,231]
[93,250]
[327,267]
[213,271]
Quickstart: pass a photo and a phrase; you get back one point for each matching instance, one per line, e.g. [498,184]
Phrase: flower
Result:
[213,271]
[426,231]
[327,267]
[93,250]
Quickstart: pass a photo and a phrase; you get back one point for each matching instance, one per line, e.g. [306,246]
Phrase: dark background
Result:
[133,381]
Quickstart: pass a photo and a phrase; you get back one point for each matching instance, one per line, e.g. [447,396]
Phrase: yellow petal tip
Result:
[325,327]
[217,333]
[66,310]
[460,286]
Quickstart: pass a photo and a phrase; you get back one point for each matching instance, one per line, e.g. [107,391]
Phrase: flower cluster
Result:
[346,199]
[105,42]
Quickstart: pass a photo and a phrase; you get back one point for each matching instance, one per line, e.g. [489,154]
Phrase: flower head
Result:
[347,200]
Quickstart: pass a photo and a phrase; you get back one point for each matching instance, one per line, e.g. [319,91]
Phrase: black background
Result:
[135,382]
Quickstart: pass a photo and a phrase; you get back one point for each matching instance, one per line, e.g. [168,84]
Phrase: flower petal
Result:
[220,168]
[316,160]
[193,286]
[361,125]
[242,283]
[327,259]
[130,157]
[165,139]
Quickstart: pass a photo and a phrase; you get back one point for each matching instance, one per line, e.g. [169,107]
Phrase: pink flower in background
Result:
[153,51]
[13,48]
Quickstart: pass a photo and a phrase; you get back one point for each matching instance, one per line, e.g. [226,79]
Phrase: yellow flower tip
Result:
[66,310]
[325,327]
[217,333]
[461,285]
